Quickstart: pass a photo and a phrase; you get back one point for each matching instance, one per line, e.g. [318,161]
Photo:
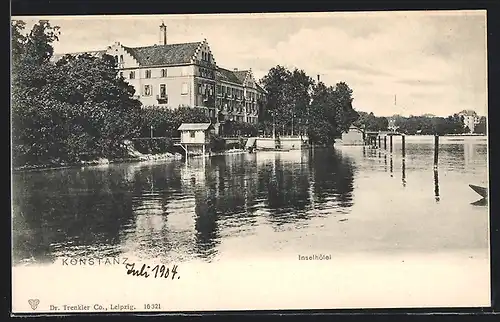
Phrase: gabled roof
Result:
[194,126]
[158,55]
[241,75]
[228,76]
[259,88]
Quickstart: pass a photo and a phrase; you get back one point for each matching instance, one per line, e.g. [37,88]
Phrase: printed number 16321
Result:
[152,307]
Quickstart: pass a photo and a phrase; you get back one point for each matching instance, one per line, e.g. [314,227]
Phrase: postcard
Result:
[220,162]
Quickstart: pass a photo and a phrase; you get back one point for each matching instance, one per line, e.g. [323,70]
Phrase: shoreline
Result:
[176,156]
[103,161]
[137,159]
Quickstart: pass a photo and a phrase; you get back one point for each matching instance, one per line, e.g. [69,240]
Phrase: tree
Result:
[345,114]
[480,128]
[165,122]
[323,127]
[287,100]
[33,127]
[66,111]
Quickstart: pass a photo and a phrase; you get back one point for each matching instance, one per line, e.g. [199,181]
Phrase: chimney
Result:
[235,69]
[318,78]
[163,34]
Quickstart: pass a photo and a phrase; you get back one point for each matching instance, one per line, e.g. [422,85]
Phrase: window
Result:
[192,134]
[148,73]
[218,89]
[116,58]
[164,73]
[163,91]
[199,89]
[121,59]
[121,74]
[132,75]
[184,89]
[147,90]
[223,89]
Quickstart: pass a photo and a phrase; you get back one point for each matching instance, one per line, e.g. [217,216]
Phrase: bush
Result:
[154,145]
[217,143]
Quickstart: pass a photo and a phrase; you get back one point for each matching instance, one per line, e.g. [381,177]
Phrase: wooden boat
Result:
[482,191]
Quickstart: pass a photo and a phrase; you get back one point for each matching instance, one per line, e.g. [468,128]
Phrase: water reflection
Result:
[208,207]
[174,210]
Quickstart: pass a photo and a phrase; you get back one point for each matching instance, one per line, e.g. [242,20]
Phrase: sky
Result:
[407,63]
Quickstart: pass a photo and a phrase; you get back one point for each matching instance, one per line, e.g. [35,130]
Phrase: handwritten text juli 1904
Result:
[157,271]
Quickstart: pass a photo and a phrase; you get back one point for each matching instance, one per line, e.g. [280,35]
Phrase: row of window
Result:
[147,74]
[221,90]
[206,89]
[236,107]
[147,90]
[207,73]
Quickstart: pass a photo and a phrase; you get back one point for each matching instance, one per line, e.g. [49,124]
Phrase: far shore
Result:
[176,156]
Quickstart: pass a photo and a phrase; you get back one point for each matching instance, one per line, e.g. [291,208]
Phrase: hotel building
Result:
[186,74]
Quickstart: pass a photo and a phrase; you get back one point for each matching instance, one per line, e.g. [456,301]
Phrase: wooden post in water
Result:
[436,150]
[403,145]
[385,142]
[390,143]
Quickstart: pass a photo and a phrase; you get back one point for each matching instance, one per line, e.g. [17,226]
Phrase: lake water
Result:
[343,201]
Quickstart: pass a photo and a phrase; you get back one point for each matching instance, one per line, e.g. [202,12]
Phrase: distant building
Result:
[354,136]
[392,124]
[186,74]
[470,119]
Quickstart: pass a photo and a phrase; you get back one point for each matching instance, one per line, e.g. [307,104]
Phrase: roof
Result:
[235,76]
[229,75]
[241,75]
[353,127]
[172,54]
[260,88]
[194,126]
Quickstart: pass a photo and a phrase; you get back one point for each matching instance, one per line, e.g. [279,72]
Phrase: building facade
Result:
[238,95]
[186,74]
